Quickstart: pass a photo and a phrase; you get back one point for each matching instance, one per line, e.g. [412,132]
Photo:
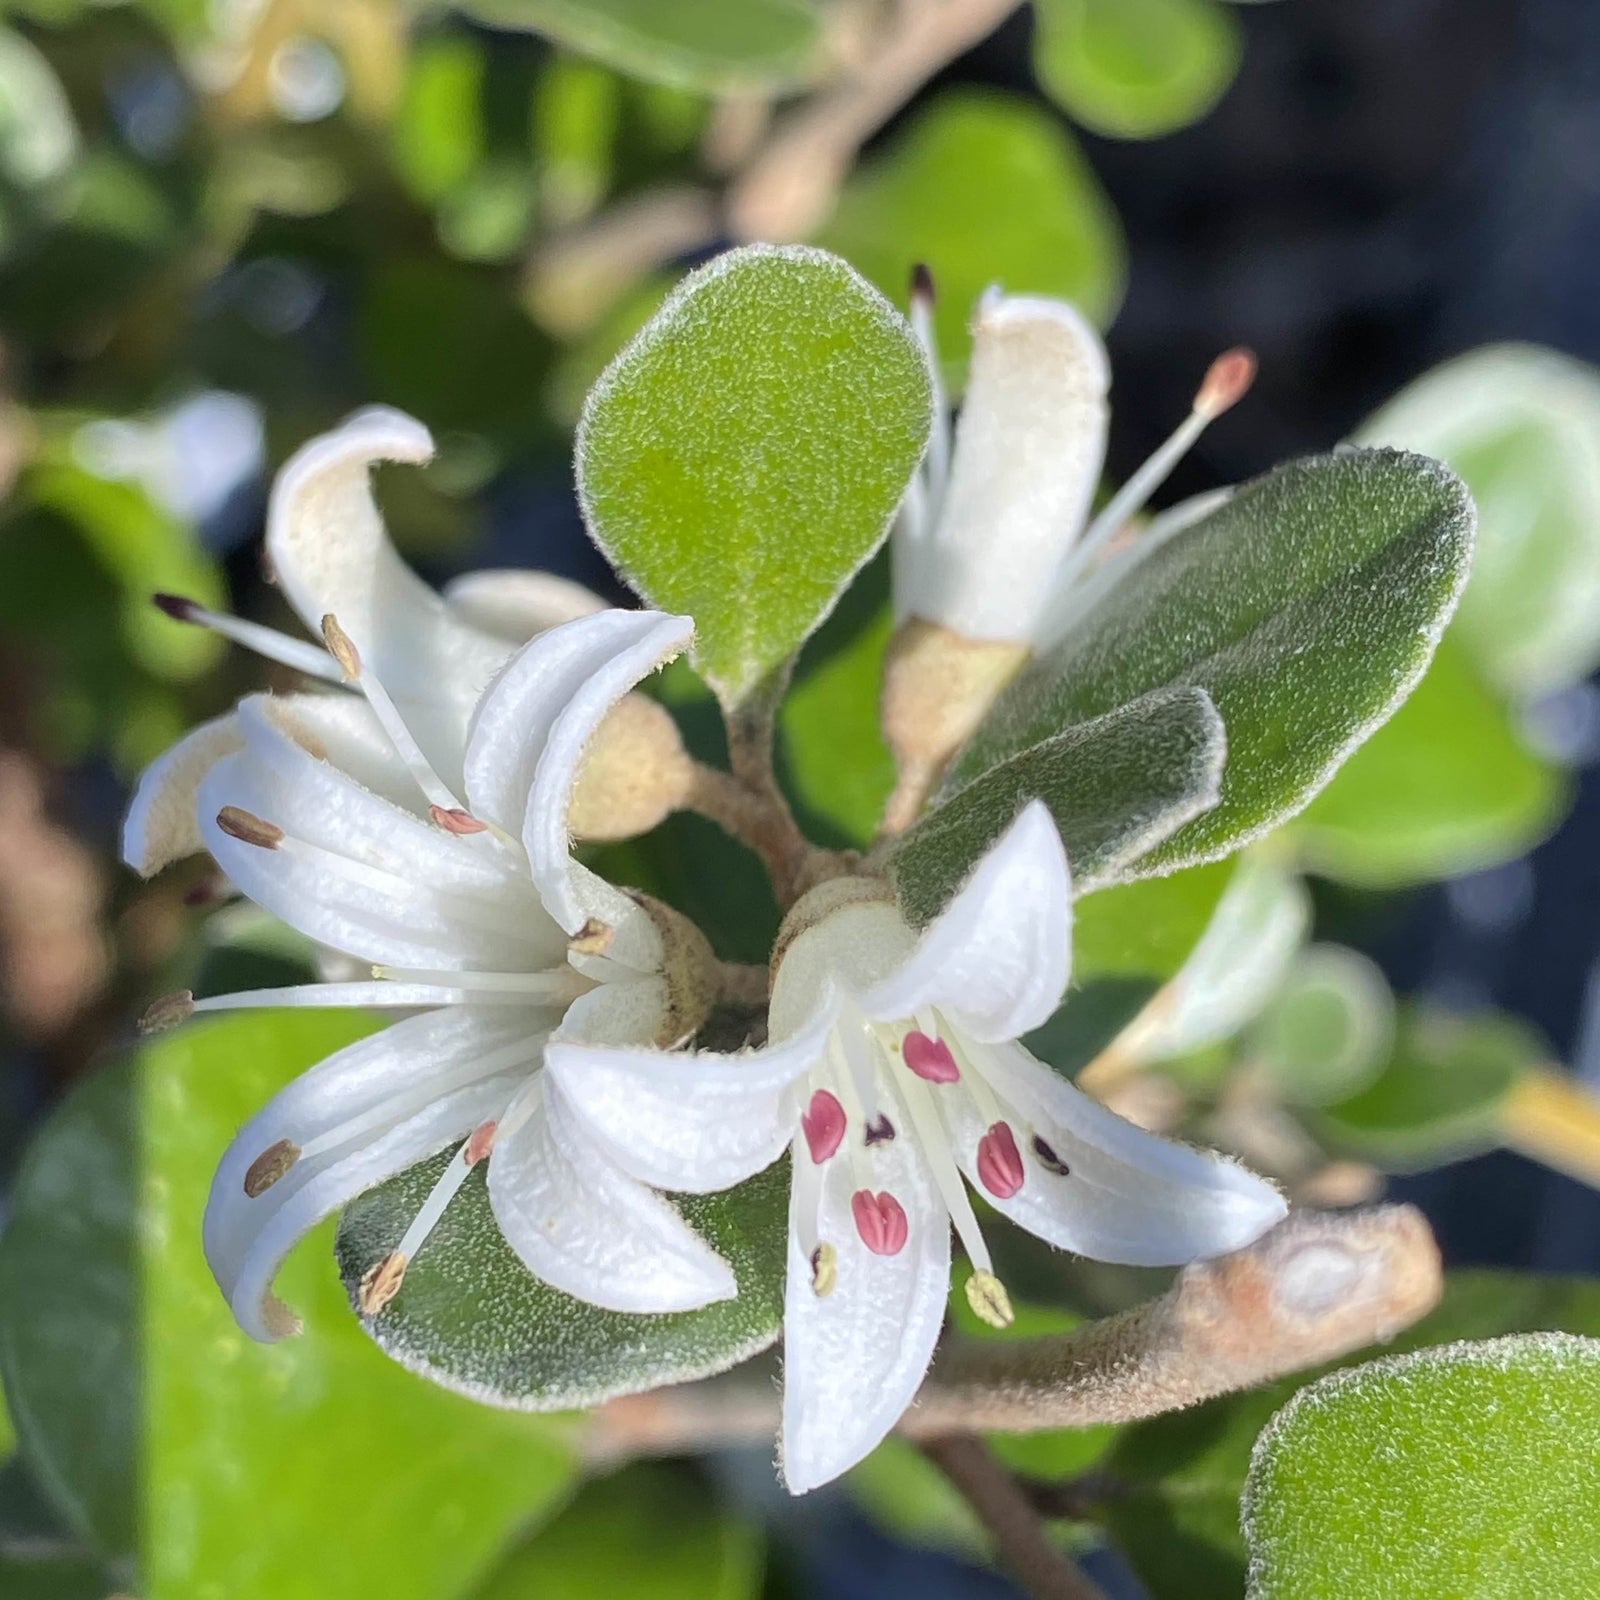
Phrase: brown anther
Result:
[922,284]
[481,1142]
[248,828]
[1047,1157]
[167,1012]
[177,606]
[454,820]
[592,939]
[988,1298]
[1227,381]
[824,1270]
[380,1284]
[880,1130]
[341,646]
[270,1166]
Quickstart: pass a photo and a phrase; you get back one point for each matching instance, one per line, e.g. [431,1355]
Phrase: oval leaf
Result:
[1469,1469]
[1307,606]
[743,456]
[471,1317]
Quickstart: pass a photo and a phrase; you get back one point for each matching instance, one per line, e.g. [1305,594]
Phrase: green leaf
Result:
[984,188]
[39,1558]
[1465,1470]
[1307,606]
[648,1533]
[1116,785]
[743,456]
[472,1318]
[1440,1093]
[1521,425]
[1135,68]
[1446,786]
[730,46]
[167,1438]
[1173,1483]
[1329,1029]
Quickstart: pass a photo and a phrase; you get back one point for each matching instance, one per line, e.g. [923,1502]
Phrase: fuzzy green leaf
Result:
[1307,606]
[159,1431]
[743,456]
[1116,786]
[1464,1470]
[471,1317]
[722,45]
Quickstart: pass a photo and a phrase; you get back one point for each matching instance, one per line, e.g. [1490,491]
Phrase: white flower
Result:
[995,533]
[422,825]
[894,1073]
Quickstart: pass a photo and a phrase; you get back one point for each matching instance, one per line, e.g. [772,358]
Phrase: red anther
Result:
[881,1221]
[930,1059]
[481,1142]
[1227,381]
[823,1123]
[1000,1168]
[454,820]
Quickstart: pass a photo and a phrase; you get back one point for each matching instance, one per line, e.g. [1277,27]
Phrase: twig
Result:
[759,818]
[1021,1541]
[1320,1285]
[742,985]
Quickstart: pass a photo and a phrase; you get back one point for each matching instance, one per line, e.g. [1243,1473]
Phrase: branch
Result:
[1318,1286]
[1021,1541]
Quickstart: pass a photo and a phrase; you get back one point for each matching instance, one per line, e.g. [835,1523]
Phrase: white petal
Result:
[623,1010]
[516,605]
[1129,1196]
[588,1229]
[529,735]
[341,729]
[854,1359]
[328,546]
[690,1122]
[1000,954]
[400,1095]
[1028,451]
[162,825]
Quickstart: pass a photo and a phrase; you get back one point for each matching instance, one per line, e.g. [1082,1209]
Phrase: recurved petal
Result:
[516,605]
[162,825]
[329,548]
[528,739]
[587,1228]
[689,1121]
[1097,1185]
[359,1116]
[1000,954]
[855,1357]
[1028,451]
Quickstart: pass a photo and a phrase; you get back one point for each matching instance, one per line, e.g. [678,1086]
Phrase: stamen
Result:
[380,1284]
[427,1219]
[824,1270]
[879,1131]
[1000,1168]
[988,1298]
[270,1166]
[936,468]
[248,828]
[1226,382]
[481,1142]
[933,1135]
[268,642]
[167,1012]
[881,1221]
[342,648]
[930,1059]
[823,1122]
[593,938]
[454,820]
[1048,1159]
[560,987]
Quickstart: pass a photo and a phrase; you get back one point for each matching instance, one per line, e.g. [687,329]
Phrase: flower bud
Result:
[635,773]
[937,687]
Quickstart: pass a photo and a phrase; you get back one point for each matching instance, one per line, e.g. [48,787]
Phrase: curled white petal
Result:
[516,605]
[588,1229]
[855,1357]
[162,825]
[1028,451]
[1000,954]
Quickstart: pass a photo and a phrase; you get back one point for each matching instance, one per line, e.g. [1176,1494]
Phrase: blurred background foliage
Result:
[224,223]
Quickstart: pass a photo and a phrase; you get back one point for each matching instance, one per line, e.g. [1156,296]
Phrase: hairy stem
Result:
[1318,1286]
[1021,1540]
